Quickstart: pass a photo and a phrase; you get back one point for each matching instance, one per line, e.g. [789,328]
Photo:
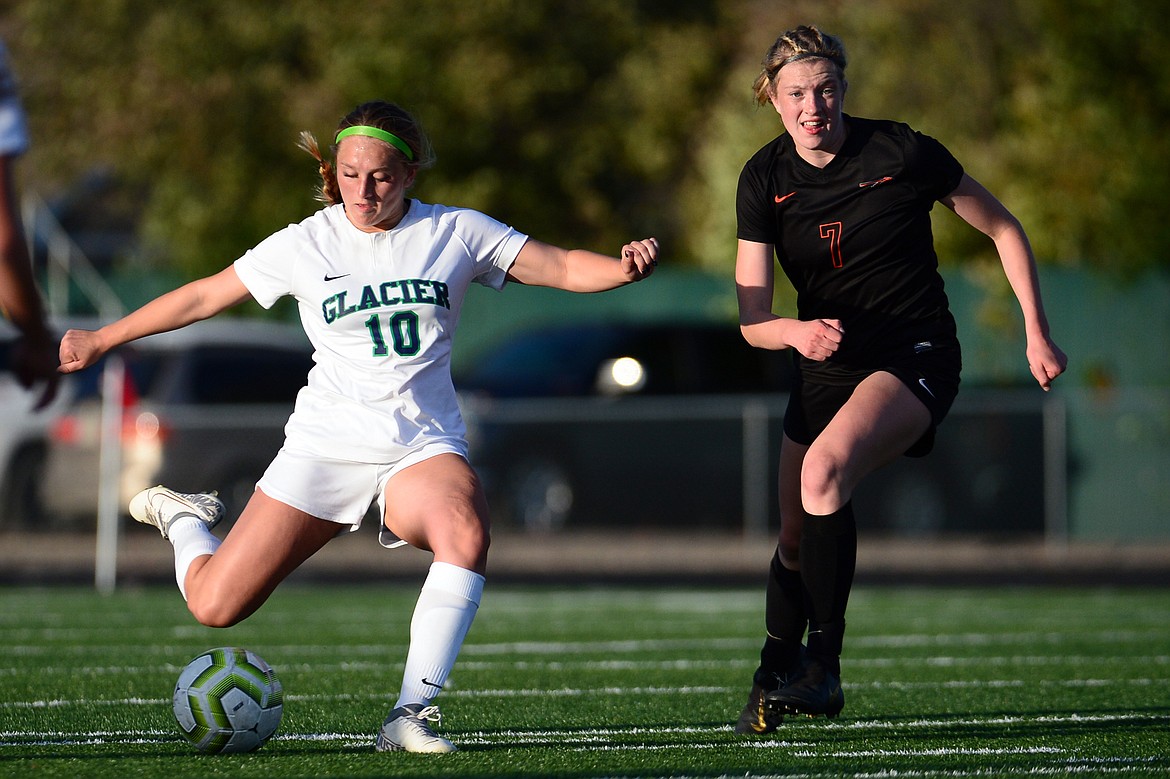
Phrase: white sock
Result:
[192,539]
[446,606]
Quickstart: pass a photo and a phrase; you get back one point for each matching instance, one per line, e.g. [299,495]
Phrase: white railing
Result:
[66,262]
[1000,462]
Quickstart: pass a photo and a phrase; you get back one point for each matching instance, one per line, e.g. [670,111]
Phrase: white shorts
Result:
[342,491]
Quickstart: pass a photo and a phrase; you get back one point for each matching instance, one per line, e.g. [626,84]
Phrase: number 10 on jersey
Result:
[402,327]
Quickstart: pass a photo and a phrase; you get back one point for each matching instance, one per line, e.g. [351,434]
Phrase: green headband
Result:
[381,135]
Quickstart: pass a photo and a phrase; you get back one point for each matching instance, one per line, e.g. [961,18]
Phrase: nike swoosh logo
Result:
[335,278]
[424,681]
[923,383]
[875,182]
[780,199]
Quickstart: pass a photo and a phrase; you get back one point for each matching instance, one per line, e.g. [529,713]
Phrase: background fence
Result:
[1063,465]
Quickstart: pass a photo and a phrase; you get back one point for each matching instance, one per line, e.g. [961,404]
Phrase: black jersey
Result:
[855,240]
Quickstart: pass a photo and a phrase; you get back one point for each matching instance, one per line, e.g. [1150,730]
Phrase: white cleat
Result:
[407,729]
[160,507]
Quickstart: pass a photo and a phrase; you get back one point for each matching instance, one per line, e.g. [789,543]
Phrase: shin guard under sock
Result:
[784,617]
[828,560]
[446,607]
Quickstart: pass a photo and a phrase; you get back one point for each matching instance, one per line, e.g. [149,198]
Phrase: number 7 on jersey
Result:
[832,232]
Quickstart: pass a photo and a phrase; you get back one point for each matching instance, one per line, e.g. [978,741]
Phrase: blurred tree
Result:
[594,121]
[1056,105]
[1086,139]
[568,119]
[179,101]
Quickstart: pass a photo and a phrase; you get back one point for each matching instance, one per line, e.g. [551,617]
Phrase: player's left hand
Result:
[639,258]
[34,361]
[1046,361]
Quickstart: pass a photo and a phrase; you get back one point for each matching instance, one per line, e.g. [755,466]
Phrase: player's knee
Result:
[790,553]
[821,483]
[454,532]
[472,533]
[212,617]
[212,611]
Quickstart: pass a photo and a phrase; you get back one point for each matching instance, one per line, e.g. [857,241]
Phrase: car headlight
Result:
[622,376]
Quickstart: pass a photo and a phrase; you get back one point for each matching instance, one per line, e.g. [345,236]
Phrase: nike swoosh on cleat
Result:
[781,199]
[335,278]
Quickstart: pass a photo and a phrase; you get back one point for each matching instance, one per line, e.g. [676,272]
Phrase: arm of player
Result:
[579,270]
[189,303]
[979,208]
[20,300]
[754,279]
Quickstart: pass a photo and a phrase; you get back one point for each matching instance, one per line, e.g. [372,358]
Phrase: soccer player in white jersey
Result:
[379,279]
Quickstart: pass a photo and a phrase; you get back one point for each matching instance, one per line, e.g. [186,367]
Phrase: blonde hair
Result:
[797,44]
[384,116]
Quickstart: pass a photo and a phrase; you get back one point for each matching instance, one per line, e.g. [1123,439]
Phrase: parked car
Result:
[23,440]
[203,408]
[679,425]
[618,423]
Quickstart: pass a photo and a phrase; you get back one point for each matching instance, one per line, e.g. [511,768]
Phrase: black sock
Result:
[784,617]
[828,560]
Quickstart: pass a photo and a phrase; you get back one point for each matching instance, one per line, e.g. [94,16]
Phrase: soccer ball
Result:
[228,700]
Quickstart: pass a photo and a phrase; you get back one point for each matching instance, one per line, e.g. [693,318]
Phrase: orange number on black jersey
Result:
[832,231]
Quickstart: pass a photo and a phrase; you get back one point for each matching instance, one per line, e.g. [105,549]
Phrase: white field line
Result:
[613,738]
[30,642]
[1078,767]
[358,666]
[618,691]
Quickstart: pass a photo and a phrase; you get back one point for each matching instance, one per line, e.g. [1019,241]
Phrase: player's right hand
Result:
[639,258]
[79,350]
[819,339]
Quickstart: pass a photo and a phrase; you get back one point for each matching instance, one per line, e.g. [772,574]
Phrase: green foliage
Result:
[1090,131]
[590,123]
[569,120]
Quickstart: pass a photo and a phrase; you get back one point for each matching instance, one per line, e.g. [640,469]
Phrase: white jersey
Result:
[380,310]
[13,130]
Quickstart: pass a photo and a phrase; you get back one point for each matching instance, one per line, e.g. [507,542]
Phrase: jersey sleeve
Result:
[492,245]
[937,171]
[755,221]
[267,269]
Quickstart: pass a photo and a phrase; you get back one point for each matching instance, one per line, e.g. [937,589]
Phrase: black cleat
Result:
[758,717]
[815,692]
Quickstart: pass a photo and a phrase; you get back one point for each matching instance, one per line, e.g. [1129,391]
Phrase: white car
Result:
[203,408]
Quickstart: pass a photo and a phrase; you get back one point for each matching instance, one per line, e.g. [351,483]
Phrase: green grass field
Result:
[583,682]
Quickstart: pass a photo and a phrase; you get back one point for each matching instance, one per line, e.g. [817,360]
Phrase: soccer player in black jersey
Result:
[844,204]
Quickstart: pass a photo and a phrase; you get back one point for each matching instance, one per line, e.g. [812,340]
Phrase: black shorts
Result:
[932,376]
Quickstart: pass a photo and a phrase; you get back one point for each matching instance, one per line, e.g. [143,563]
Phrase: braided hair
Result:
[797,44]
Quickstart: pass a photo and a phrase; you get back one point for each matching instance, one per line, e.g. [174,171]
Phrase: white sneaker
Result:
[407,730]
[160,507]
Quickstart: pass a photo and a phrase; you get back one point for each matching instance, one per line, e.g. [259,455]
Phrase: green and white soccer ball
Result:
[228,700]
